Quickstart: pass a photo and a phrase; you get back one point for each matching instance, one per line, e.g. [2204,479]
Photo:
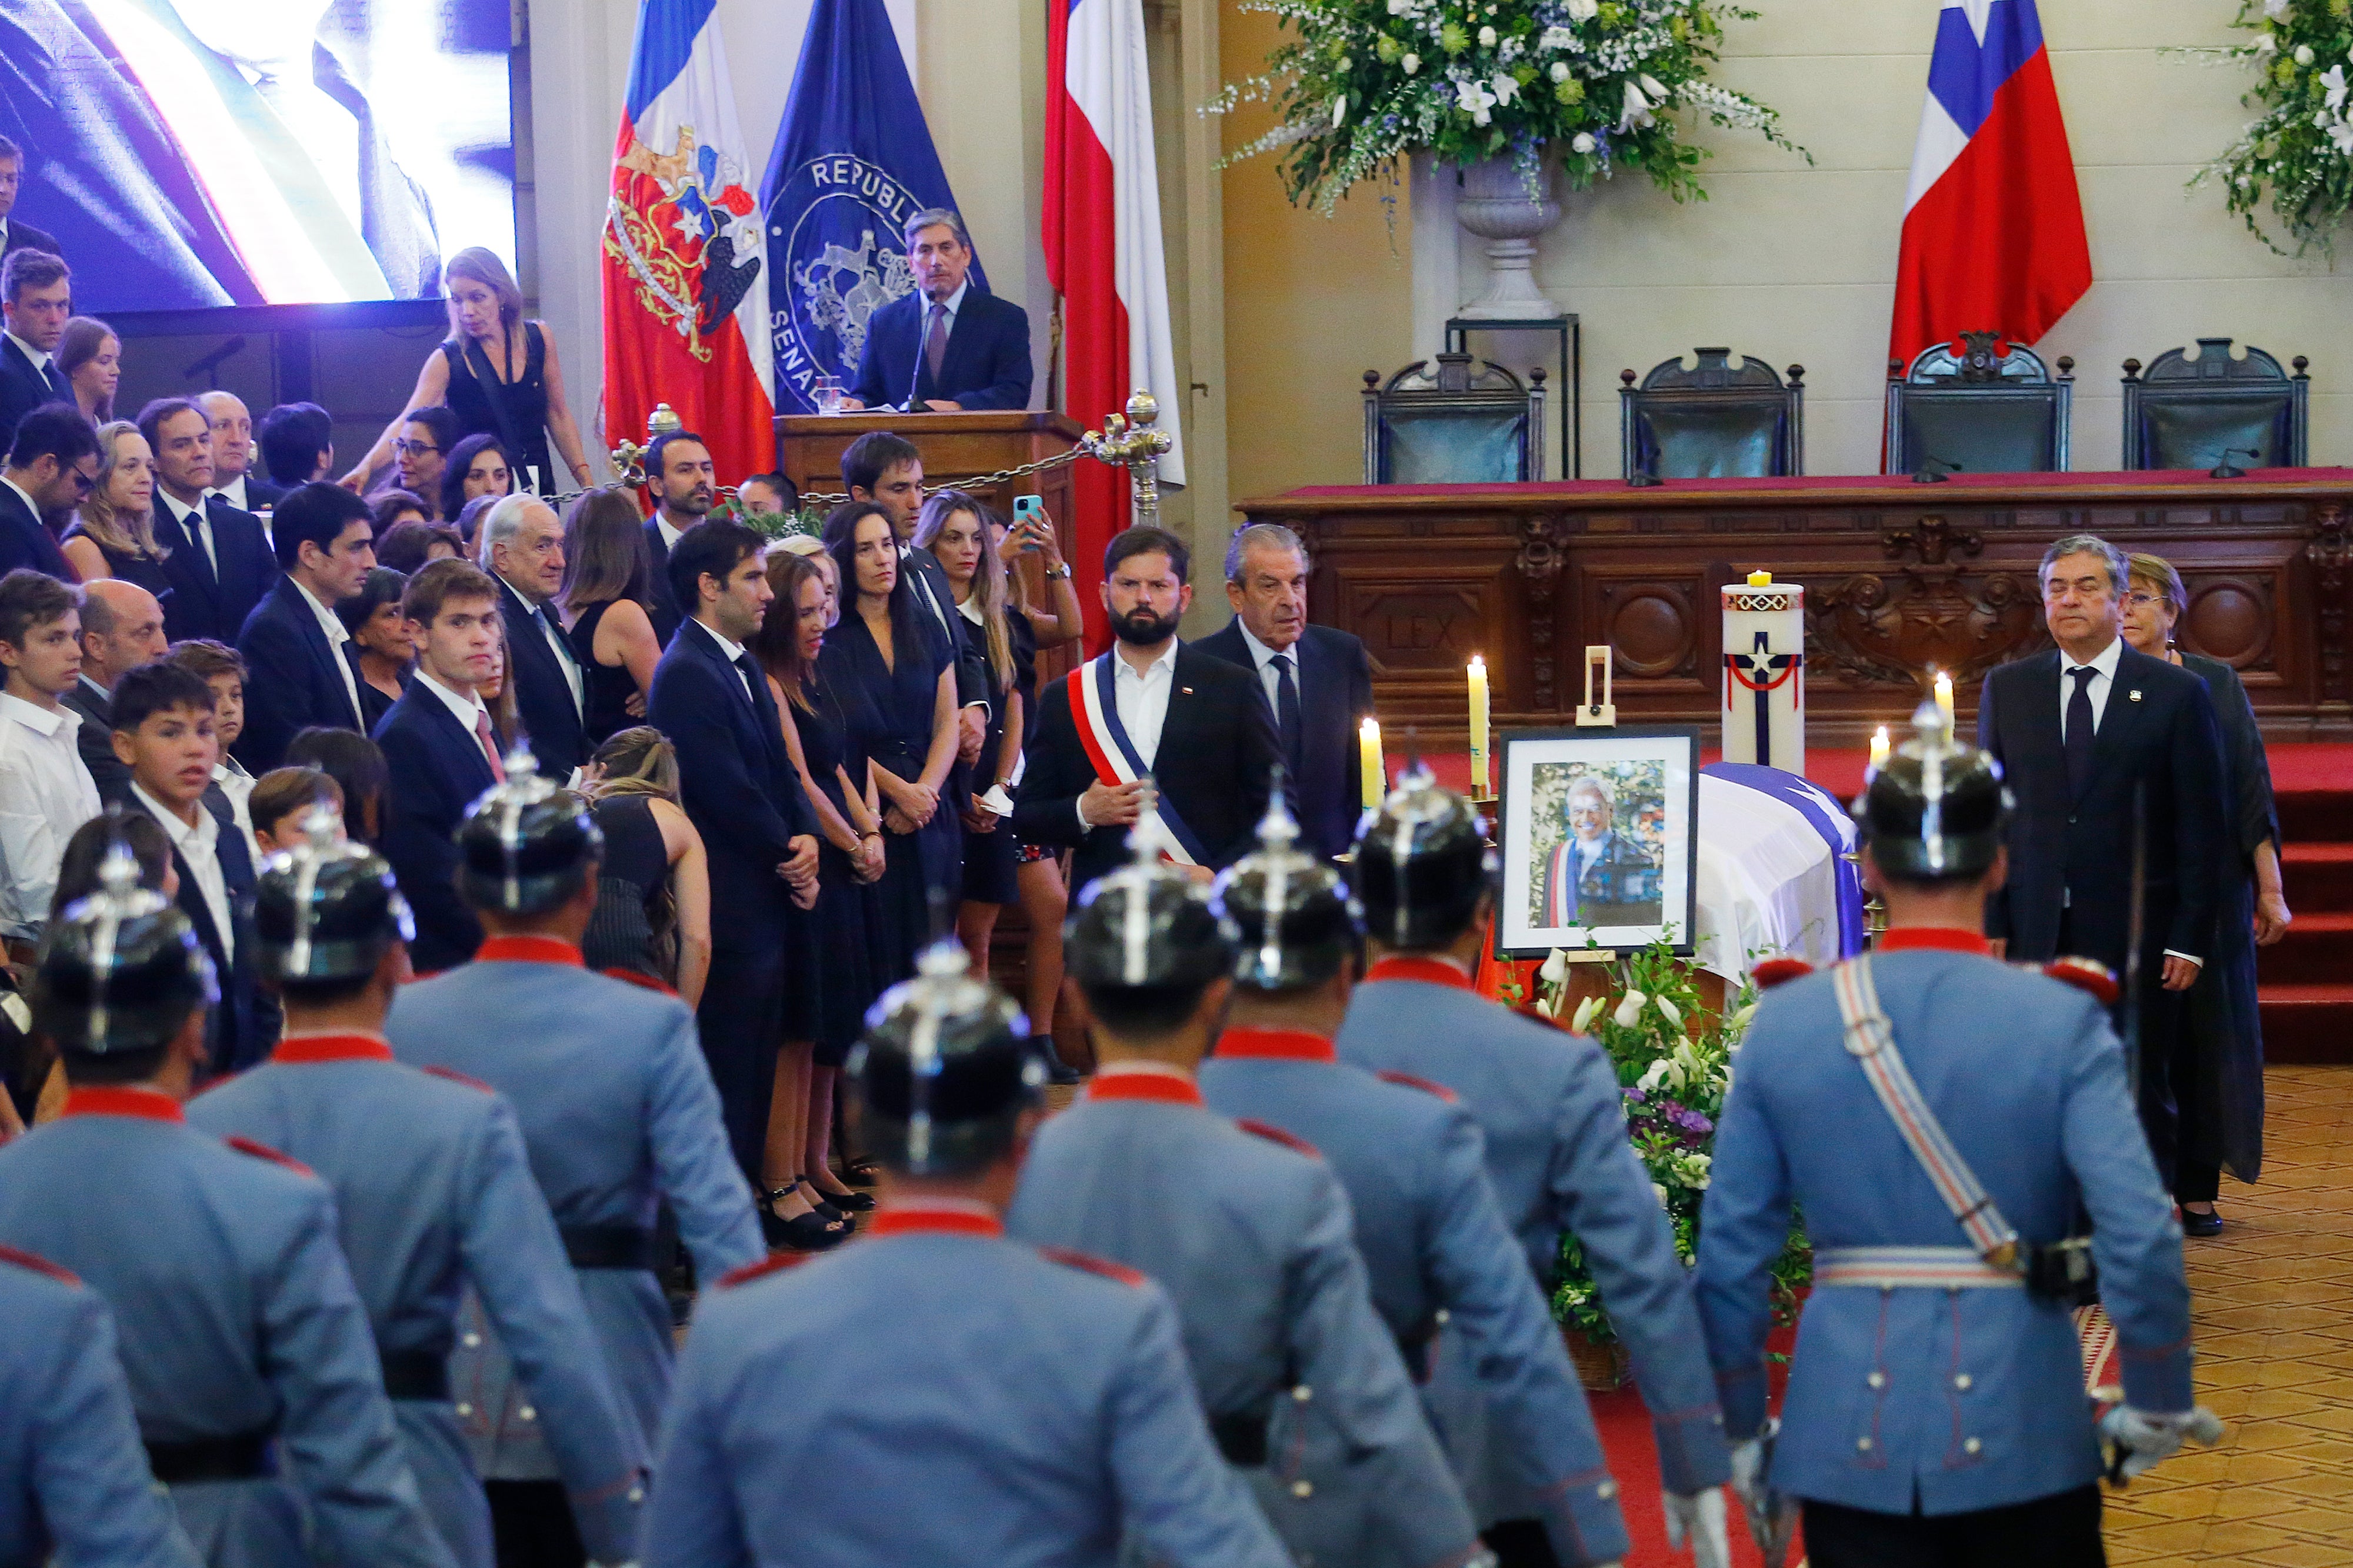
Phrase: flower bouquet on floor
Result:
[1674,1061]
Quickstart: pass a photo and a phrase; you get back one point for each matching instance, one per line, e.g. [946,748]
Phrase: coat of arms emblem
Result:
[688,231]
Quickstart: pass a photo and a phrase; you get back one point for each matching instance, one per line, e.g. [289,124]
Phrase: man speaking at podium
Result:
[948,345]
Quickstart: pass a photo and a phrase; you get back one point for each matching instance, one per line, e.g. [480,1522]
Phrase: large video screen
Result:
[187,153]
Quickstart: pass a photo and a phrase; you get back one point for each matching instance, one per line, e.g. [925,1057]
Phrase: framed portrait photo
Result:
[1600,837]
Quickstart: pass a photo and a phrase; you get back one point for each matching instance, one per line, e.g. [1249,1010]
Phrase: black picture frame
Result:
[1523,839]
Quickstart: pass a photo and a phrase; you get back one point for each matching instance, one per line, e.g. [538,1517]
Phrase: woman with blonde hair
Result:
[653,886]
[498,373]
[114,532]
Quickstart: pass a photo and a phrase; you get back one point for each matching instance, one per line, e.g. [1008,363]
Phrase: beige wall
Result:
[1796,264]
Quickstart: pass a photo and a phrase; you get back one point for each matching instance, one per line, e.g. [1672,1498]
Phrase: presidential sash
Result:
[1094,712]
[1560,887]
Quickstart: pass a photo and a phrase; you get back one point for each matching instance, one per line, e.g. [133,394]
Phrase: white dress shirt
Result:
[733,653]
[670,536]
[1141,701]
[2105,663]
[41,361]
[238,785]
[564,659]
[337,635]
[196,522]
[469,709]
[1268,675]
[199,846]
[232,492]
[45,793]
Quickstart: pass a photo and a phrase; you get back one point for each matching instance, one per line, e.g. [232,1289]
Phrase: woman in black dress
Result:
[850,857]
[607,572]
[2219,1068]
[892,670]
[386,657]
[477,467]
[114,532]
[653,886]
[498,373]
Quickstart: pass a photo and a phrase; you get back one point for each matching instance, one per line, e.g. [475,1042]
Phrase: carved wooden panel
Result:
[2228,618]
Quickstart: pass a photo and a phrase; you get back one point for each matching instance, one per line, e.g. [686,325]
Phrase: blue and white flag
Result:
[854,161]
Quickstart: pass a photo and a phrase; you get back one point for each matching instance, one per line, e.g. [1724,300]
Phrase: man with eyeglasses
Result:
[2115,759]
[51,466]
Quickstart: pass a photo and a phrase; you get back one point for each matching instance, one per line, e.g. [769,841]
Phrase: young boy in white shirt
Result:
[46,790]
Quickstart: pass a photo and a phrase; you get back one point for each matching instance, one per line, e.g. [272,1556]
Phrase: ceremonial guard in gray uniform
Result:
[935,1396]
[1558,1154]
[1935,1412]
[1435,1246]
[618,1114]
[73,1478]
[245,1344]
[433,1191]
[1248,1230]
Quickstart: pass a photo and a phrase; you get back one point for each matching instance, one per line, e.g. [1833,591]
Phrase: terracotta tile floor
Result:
[2274,1302]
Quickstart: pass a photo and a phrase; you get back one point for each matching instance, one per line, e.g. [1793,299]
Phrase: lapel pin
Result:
[2134,694]
[1188,692]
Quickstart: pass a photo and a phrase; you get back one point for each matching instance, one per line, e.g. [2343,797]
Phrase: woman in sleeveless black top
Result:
[498,374]
[606,570]
[653,889]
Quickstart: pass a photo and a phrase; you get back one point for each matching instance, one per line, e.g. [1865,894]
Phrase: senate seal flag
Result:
[686,295]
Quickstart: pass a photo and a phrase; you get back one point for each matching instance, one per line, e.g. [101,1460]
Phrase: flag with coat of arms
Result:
[686,295]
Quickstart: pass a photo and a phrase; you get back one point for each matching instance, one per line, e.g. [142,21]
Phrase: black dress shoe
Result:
[1057,1069]
[2196,1223]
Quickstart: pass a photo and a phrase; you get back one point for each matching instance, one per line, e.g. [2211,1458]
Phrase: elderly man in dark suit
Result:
[949,345]
[522,546]
[740,788]
[2113,757]
[294,643]
[221,564]
[37,301]
[121,629]
[1198,725]
[1317,680]
[442,754]
[52,463]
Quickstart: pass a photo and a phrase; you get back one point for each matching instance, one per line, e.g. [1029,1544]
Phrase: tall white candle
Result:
[1479,717]
[1375,771]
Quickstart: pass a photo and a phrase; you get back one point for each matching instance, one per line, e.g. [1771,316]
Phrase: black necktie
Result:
[60,388]
[1286,709]
[751,673]
[193,526]
[2080,733]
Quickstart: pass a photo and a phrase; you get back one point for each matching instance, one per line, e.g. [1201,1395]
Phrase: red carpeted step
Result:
[2315,815]
[2316,951]
[2319,877]
[2308,1024]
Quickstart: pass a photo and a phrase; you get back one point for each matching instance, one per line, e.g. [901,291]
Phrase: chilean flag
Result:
[686,294]
[1101,233]
[1993,229]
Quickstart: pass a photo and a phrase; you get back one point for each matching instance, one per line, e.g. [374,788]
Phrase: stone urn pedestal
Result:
[1495,205]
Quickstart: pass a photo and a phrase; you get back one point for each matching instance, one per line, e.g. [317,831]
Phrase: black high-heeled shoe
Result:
[810,1232]
[820,1201]
[848,1203]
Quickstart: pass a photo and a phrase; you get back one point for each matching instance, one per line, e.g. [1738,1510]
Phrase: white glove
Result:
[2139,1438]
[1700,1516]
[1772,1517]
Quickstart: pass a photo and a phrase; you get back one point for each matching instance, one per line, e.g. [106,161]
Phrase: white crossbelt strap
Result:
[1895,1268]
[1872,1042]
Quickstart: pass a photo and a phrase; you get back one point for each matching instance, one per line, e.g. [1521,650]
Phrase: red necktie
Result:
[490,744]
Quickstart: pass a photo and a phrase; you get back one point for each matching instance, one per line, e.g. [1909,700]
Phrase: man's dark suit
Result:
[1217,756]
[22,236]
[439,770]
[986,364]
[661,602]
[2071,853]
[739,788]
[95,739]
[294,677]
[245,1026]
[23,389]
[26,541]
[260,495]
[549,717]
[202,603]
[1335,694]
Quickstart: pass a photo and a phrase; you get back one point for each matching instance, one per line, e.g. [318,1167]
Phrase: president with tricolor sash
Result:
[1149,724]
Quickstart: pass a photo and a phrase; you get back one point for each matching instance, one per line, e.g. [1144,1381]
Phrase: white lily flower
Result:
[1629,1010]
[1556,967]
[2304,55]
[1582,142]
[1507,86]
[1559,72]
[1584,10]
[1673,1014]
[1339,111]
[1637,109]
[1548,1006]
[1660,1188]
[1486,38]
[2333,79]
[2342,135]
[2274,9]
[1583,1017]
[1410,64]
[1739,1020]
[2265,44]
[1652,86]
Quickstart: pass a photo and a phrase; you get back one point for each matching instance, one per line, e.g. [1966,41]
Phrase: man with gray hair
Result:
[523,547]
[2114,758]
[1316,679]
[949,345]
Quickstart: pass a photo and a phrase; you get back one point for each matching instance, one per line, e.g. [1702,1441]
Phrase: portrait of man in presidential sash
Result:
[1599,838]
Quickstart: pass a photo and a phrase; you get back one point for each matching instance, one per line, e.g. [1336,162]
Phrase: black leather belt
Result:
[609,1247]
[1240,1439]
[416,1375]
[240,1457]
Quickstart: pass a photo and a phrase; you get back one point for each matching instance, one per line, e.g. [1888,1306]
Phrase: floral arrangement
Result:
[2296,156]
[1674,1062]
[1367,82]
[773,526]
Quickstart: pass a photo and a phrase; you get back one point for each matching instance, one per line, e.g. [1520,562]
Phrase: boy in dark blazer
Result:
[442,753]
[293,642]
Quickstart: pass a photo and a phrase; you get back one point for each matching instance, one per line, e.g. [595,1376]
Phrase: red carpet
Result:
[1625,1428]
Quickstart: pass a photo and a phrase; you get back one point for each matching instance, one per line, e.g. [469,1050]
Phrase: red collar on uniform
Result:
[916,1217]
[1428,971]
[529,949]
[1276,1045]
[1934,939]
[1164,1087]
[332,1048]
[116,1101]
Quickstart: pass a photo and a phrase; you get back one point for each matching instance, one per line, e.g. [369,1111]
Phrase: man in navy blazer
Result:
[299,675]
[740,788]
[1317,680]
[52,463]
[948,345]
[523,547]
[682,479]
[221,564]
[36,300]
[441,751]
